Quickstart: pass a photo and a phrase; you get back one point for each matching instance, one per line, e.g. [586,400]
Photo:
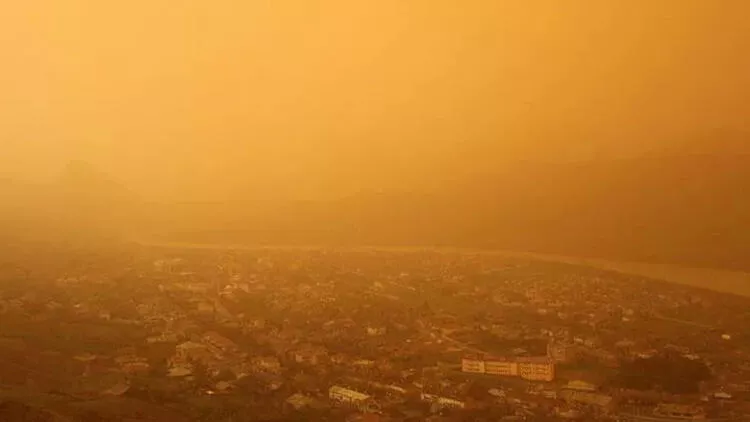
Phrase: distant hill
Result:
[82,204]
[689,209]
[685,209]
[83,181]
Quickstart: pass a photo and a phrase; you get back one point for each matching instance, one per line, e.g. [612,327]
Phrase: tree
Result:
[225,375]
[159,368]
[201,377]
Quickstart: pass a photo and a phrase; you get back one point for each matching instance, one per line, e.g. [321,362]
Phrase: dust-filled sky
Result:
[199,99]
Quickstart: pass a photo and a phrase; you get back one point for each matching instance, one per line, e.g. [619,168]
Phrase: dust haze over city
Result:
[374,210]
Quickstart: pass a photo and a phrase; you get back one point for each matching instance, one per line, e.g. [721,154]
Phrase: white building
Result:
[352,398]
[376,331]
[443,402]
[450,403]
[346,395]
[580,385]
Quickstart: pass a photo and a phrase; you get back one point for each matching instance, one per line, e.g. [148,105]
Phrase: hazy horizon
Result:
[379,210]
[279,99]
[492,124]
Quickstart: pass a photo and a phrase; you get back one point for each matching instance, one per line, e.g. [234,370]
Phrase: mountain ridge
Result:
[682,209]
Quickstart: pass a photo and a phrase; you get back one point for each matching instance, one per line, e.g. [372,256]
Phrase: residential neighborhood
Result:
[371,335]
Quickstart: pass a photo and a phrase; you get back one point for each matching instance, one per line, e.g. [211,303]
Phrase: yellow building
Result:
[501,367]
[473,365]
[533,368]
[536,369]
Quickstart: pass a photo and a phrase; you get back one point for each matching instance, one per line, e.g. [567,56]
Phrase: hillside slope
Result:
[690,210]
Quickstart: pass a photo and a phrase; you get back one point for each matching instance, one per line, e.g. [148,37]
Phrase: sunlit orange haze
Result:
[508,112]
[212,99]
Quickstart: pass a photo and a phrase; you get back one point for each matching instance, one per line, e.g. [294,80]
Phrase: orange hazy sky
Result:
[198,99]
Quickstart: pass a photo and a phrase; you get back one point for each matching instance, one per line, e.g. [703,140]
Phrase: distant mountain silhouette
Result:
[84,181]
[689,209]
[82,203]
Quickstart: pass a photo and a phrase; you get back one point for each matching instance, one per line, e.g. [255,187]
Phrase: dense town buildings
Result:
[336,334]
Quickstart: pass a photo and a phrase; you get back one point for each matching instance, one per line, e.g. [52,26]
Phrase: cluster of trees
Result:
[670,372]
[12,410]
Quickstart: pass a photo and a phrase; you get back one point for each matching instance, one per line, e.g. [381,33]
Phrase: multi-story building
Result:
[536,369]
[473,364]
[446,402]
[533,369]
[501,367]
[376,331]
[353,398]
